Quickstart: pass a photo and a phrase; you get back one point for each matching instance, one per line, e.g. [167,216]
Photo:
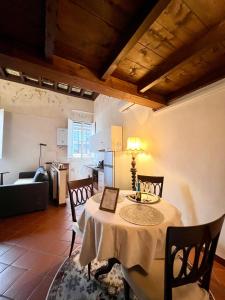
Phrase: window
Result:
[78,139]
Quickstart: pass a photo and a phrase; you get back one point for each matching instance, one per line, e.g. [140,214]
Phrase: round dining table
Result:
[107,235]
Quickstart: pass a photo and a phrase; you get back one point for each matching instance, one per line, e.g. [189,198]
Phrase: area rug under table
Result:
[71,282]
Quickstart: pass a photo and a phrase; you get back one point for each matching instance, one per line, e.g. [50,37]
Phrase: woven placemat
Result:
[141,214]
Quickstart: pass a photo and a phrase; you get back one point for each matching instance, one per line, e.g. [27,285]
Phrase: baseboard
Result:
[220,260]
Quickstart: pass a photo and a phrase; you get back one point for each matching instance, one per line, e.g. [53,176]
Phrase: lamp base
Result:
[133,177]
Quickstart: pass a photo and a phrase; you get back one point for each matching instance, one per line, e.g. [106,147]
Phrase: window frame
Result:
[81,154]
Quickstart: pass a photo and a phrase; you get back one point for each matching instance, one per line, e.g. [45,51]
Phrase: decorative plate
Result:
[140,214]
[146,198]
[98,197]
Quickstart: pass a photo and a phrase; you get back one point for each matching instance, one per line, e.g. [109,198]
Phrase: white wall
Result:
[185,143]
[32,116]
[1,130]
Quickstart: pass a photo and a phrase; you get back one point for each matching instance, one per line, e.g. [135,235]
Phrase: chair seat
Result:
[76,228]
[151,286]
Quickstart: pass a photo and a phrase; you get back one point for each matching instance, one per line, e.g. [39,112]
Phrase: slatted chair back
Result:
[196,242]
[79,192]
[155,183]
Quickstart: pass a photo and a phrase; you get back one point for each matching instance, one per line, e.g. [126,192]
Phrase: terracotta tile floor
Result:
[33,246]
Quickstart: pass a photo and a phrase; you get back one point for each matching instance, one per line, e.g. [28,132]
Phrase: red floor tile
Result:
[24,285]
[9,276]
[34,260]
[3,267]
[42,289]
[55,266]
[4,248]
[66,236]
[12,254]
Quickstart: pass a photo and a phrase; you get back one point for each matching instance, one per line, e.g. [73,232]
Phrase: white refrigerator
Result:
[117,169]
[109,168]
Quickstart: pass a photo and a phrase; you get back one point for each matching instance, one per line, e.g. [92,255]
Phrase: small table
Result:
[1,177]
[106,236]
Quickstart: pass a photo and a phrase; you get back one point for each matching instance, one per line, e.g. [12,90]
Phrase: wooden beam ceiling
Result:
[2,72]
[43,83]
[134,33]
[215,75]
[212,37]
[51,11]
[140,51]
[77,75]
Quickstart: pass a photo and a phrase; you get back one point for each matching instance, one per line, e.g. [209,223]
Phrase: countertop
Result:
[95,168]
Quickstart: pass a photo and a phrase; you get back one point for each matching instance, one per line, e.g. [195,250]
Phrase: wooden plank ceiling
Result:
[145,52]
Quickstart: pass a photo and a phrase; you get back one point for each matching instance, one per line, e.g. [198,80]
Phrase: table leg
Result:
[107,268]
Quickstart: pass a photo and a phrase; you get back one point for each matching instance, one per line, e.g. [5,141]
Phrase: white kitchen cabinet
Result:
[62,136]
[109,139]
[95,143]
[101,181]
[113,138]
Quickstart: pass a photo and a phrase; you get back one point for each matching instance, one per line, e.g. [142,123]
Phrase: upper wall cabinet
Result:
[113,138]
[62,137]
[109,139]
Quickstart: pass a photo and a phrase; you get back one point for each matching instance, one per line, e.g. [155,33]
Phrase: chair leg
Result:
[89,271]
[126,289]
[72,242]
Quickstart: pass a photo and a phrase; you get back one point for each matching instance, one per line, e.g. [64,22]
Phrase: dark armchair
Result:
[25,195]
[24,175]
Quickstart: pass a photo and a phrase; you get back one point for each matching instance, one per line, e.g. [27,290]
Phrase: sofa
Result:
[28,194]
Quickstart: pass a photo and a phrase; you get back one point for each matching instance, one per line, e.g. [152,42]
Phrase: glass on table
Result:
[145,188]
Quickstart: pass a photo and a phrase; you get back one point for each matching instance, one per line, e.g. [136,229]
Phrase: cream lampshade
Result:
[133,146]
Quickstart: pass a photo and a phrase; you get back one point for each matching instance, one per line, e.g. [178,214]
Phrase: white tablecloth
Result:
[107,235]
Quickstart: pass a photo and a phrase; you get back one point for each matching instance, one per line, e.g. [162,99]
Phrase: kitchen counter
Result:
[95,168]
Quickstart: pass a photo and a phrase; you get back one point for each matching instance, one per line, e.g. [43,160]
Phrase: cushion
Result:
[151,286]
[24,181]
[40,175]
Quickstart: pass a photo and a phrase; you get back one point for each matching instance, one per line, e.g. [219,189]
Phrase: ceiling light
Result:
[12,72]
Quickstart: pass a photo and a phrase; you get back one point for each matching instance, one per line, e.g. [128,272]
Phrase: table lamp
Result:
[133,147]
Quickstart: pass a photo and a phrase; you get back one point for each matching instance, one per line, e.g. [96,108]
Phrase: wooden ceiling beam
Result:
[82,92]
[76,75]
[212,77]
[19,79]
[2,72]
[94,96]
[114,87]
[134,33]
[51,10]
[22,77]
[211,38]
[69,89]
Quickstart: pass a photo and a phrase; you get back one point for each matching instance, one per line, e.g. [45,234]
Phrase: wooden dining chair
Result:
[155,183]
[175,278]
[79,192]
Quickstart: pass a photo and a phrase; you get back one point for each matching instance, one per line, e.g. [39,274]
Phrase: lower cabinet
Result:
[58,183]
[100,181]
